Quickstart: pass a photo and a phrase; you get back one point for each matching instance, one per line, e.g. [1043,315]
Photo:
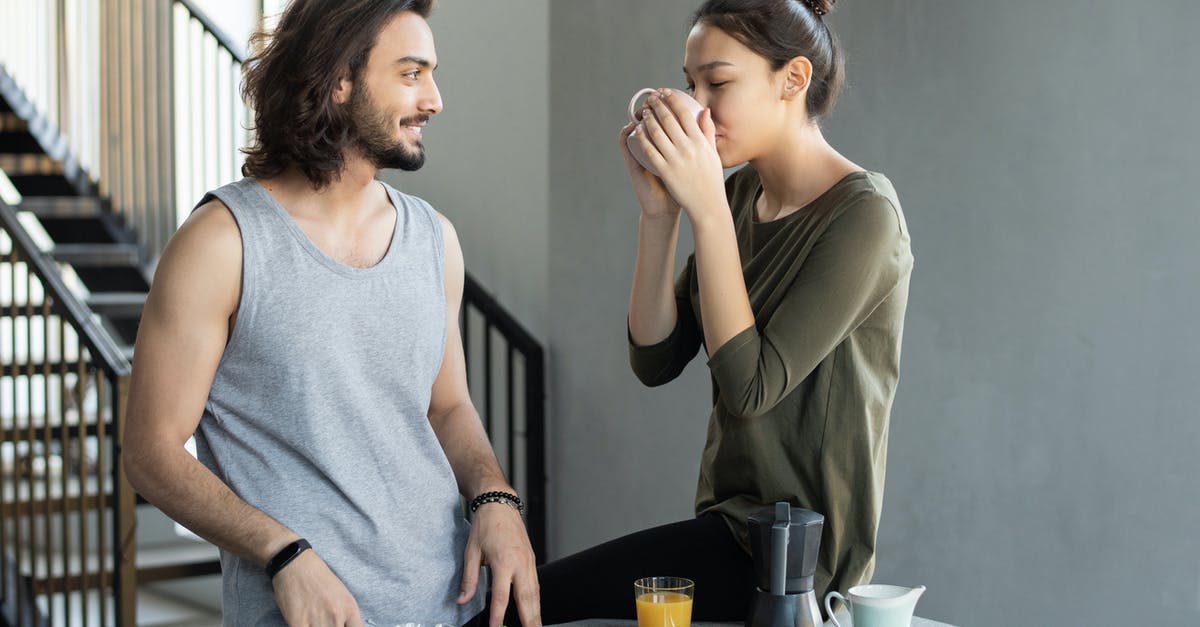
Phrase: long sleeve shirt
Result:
[801,399]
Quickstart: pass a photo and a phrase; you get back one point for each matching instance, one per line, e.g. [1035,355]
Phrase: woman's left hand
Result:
[684,151]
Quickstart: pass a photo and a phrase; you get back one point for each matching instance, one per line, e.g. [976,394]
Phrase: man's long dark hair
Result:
[290,80]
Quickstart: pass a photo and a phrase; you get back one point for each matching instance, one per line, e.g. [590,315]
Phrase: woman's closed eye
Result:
[714,85]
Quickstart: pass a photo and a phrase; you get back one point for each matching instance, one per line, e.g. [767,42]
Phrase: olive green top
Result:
[802,398]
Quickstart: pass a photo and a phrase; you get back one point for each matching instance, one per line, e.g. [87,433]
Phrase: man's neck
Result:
[342,199]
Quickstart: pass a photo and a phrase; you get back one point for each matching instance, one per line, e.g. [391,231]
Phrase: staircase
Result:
[91,119]
[87,235]
[57,505]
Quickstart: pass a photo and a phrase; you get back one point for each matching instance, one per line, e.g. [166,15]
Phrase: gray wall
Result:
[1042,467]
[1043,448]
[625,456]
[487,153]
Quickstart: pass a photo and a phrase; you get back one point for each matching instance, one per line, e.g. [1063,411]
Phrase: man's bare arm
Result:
[498,536]
[181,338]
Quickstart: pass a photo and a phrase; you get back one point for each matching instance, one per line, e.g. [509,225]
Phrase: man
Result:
[302,324]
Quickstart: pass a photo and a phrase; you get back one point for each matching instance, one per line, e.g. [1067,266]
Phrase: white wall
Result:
[238,18]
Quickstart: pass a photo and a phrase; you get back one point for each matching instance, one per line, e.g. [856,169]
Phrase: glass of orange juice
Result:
[664,601]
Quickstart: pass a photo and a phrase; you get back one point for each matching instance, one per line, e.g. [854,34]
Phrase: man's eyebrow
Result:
[708,66]
[421,61]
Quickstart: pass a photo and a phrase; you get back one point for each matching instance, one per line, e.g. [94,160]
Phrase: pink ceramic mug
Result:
[634,145]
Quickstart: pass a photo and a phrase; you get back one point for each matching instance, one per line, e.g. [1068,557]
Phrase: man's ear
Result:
[796,74]
[341,93]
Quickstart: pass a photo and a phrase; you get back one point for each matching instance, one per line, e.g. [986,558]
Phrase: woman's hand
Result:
[651,194]
[684,151]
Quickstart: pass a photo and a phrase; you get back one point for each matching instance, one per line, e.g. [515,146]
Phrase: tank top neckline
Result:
[315,251]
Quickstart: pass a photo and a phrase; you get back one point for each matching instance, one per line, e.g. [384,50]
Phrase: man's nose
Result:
[431,102]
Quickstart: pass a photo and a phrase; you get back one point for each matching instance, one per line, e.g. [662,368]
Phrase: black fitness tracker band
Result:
[285,556]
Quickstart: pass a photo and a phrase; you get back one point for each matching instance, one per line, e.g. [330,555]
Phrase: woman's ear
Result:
[796,76]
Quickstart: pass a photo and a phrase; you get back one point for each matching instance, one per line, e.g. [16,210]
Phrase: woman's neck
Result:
[800,167]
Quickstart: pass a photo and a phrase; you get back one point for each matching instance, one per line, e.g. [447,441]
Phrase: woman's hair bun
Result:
[820,7]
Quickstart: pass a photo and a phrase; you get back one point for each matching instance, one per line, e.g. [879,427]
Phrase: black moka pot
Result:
[784,542]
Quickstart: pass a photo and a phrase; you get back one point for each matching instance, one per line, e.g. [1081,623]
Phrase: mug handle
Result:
[633,101]
[829,605]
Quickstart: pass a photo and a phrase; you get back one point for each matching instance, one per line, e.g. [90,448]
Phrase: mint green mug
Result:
[877,605]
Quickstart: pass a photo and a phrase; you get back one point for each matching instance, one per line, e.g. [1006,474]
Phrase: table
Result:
[843,618]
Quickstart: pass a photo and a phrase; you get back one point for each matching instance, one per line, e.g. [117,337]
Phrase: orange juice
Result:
[664,609]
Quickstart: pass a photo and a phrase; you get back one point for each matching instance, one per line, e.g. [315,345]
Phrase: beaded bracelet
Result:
[507,498]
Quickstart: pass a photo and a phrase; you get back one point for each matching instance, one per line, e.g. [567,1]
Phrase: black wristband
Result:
[508,498]
[285,556]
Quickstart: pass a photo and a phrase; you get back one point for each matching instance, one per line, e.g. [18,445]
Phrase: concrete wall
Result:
[1043,439]
[1042,463]
[625,456]
[487,153]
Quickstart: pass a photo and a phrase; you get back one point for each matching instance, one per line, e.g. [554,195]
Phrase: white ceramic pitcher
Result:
[877,605]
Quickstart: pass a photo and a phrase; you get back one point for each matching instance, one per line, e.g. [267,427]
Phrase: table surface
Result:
[842,618]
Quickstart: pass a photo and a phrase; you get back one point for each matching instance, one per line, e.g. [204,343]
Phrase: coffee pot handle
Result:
[829,606]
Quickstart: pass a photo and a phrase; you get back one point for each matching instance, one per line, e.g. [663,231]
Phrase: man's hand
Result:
[309,594]
[498,539]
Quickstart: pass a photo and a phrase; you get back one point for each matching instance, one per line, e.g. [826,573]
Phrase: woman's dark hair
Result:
[781,30]
[290,79]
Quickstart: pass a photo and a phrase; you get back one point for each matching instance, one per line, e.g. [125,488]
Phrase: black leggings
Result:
[598,582]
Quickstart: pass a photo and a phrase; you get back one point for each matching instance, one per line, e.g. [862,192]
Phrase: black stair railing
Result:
[66,511]
[506,374]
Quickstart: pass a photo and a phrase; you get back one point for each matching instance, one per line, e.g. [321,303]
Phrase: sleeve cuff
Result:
[733,353]
[652,352]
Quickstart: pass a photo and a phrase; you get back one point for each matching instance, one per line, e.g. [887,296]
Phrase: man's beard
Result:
[374,135]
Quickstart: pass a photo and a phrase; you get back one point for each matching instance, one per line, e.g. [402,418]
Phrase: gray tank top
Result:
[317,414]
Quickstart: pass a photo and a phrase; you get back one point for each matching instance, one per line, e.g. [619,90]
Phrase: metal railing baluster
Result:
[101,495]
[64,440]
[81,427]
[47,467]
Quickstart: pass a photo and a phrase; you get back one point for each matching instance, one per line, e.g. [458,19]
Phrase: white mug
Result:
[877,605]
[634,145]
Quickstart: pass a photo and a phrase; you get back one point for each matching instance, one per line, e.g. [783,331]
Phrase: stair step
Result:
[38,366]
[117,304]
[12,123]
[177,561]
[30,164]
[154,609]
[97,255]
[21,433]
[76,207]
[174,561]
[19,142]
[15,136]
[20,503]
[113,278]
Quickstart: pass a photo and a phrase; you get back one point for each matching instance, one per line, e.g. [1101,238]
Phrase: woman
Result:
[797,291]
